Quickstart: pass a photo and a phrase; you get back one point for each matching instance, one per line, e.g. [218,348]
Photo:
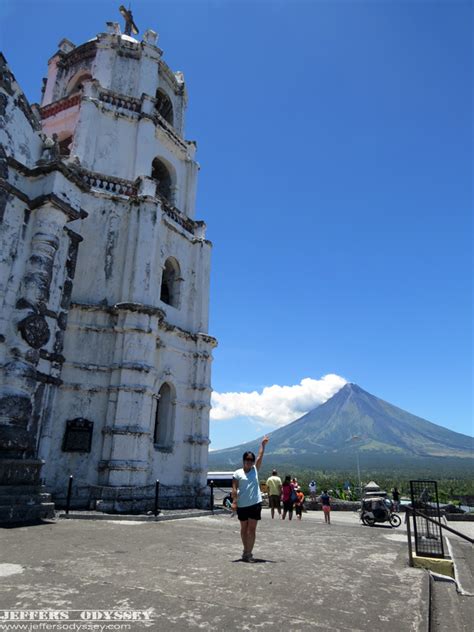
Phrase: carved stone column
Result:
[30,367]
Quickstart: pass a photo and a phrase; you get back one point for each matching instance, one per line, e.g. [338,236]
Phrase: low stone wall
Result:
[468,517]
[134,500]
[336,505]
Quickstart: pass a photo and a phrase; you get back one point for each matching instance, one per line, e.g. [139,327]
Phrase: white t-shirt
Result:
[249,488]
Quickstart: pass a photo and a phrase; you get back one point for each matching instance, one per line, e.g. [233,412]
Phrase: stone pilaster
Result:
[30,369]
[127,435]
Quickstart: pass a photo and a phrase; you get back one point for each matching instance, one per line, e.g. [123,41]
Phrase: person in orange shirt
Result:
[299,503]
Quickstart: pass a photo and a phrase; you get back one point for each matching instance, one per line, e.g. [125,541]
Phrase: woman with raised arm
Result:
[247,498]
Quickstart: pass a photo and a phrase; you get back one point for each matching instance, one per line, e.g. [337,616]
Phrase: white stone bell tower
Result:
[130,404]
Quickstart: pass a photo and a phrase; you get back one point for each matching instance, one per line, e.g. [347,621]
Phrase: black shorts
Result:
[254,512]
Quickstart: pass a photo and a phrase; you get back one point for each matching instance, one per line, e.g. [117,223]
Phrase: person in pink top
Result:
[287,499]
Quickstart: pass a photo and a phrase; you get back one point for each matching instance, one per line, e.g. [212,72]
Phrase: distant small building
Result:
[373,490]
[104,283]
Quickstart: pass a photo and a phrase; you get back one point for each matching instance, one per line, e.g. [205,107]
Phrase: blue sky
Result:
[335,143]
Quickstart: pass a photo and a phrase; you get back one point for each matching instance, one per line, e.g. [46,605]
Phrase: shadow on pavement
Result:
[33,523]
[256,560]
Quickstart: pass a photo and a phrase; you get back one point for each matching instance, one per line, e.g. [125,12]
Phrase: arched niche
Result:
[164,106]
[65,139]
[170,282]
[76,82]
[161,173]
[164,416]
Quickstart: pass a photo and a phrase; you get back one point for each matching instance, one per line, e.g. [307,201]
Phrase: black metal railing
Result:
[428,536]
[412,513]
[156,510]
[211,500]
[69,493]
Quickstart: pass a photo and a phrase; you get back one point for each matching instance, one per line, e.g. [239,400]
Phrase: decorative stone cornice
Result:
[70,172]
[51,198]
[169,75]
[101,368]
[73,236]
[194,469]
[139,308]
[123,465]
[195,337]
[9,85]
[197,439]
[176,215]
[58,106]
[169,130]
[99,388]
[77,54]
[125,430]
[150,310]
[48,379]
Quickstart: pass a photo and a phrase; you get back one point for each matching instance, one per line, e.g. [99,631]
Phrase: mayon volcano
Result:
[354,421]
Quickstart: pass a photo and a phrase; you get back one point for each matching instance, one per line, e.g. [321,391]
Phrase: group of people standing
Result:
[289,494]
[247,498]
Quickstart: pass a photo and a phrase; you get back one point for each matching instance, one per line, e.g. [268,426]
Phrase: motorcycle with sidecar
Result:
[378,509]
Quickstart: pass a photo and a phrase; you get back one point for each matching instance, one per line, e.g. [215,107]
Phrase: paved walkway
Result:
[188,575]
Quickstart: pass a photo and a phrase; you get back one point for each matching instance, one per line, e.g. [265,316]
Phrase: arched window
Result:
[164,106]
[65,145]
[164,417]
[76,83]
[160,173]
[170,281]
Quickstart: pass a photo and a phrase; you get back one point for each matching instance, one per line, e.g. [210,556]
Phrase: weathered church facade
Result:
[105,355]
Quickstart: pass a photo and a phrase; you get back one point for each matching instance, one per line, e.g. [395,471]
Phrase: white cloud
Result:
[276,405]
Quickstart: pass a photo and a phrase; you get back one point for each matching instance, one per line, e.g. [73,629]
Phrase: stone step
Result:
[448,609]
[19,490]
[47,511]
[20,471]
[25,499]
[13,514]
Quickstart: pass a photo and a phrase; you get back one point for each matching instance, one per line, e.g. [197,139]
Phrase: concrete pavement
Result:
[187,574]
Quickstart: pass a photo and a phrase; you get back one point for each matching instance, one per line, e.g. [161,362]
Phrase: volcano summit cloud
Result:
[276,405]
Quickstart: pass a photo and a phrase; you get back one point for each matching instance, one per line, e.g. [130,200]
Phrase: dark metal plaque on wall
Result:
[78,435]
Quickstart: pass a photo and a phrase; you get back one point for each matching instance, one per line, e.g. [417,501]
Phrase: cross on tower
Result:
[130,26]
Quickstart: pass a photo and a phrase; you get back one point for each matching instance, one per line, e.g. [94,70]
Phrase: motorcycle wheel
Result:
[368,521]
[395,520]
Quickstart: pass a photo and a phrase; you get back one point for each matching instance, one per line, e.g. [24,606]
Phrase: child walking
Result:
[299,503]
[326,503]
